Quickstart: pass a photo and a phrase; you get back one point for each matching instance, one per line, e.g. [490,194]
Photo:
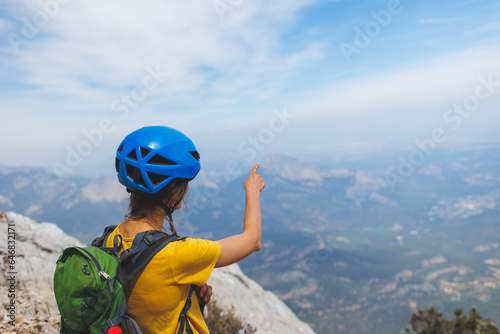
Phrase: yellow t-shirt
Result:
[156,297]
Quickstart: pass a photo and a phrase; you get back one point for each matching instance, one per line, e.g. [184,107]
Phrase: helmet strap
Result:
[168,213]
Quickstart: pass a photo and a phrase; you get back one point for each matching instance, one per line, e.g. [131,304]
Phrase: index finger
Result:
[255,168]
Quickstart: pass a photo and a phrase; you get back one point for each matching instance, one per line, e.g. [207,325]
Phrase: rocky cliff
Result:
[29,251]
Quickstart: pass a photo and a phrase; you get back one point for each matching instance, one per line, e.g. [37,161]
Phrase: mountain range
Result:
[345,247]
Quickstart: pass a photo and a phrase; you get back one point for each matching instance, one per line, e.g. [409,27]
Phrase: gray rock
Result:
[262,309]
[37,248]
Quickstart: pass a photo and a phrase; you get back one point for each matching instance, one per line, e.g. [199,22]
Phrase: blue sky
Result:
[357,76]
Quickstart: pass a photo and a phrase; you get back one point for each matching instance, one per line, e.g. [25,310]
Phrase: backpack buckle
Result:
[97,242]
[149,240]
[126,254]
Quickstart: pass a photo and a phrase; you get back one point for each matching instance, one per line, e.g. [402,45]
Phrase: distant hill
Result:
[80,206]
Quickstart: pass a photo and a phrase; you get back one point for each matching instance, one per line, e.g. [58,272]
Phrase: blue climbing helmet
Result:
[150,158]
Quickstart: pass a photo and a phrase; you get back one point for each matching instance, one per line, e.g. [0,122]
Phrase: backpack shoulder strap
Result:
[145,246]
[183,319]
[100,242]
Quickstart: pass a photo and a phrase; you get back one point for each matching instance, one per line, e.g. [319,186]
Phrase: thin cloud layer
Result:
[425,87]
[217,66]
[89,46]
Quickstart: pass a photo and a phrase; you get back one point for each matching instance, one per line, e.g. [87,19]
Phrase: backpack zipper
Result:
[102,273]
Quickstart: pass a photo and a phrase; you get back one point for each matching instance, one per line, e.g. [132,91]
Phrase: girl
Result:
[156,164]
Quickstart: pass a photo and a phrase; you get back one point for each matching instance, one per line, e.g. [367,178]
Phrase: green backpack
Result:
[89,284]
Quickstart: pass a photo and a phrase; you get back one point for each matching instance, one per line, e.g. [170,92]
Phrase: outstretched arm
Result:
[238,247]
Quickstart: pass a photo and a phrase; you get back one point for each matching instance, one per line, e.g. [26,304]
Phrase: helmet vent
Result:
[195,154]
[117,164]
[130,171]
[159,160]
[156,179]
[132,155]
[135,174]
[138,178]
[144,152]
[120,148]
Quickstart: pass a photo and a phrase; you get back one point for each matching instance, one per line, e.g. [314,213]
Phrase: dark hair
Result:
[143,206]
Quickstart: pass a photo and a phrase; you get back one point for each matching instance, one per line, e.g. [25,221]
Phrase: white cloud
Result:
[90,46]
[65,78]
[428,86]
[69,69]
